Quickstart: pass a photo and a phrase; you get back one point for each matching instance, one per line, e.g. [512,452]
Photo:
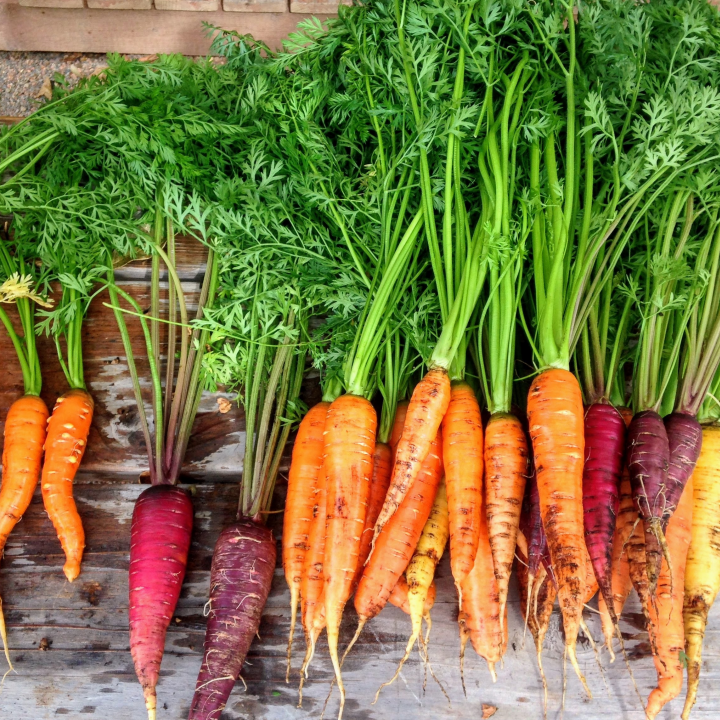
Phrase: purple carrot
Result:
[648,464]
[604,454]
[242,571]
[532,528]
[685,442]
[159,543]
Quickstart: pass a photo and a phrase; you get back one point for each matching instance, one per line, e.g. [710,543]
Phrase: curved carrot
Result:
[67,434]
[398,425]
[555,414]
[382,469]
[302,485]
[349,444]
[666,611]
[400,599]
[506,469]
[463,461]
[425,412]
[25,432]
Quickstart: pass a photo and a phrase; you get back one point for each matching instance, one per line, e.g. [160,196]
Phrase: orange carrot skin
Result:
[312,581]
[349,445]
[399,596]
[300,502]
[382,470]
[506,470]
[25,431]
[396,543]
[67,433]
[425,412]
[463,461]
[398,425]
[555,414]
[666,614]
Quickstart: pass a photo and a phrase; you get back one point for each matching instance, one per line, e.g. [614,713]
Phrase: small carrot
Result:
[68,430]
[25,432]
[349,443]
[506,469]
[666,611]
[399,598]
[420,573]
[299,505]
[463,460]
[555,414]
[398,424]
[480,614]
[425,412]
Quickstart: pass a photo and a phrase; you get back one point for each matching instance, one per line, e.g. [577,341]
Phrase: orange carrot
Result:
[67,434]
[620,579]
[506,469]
[299,505]
[25,431]
[666,610]
[556,419]
[349,444]
[425,412]
[463,460]
[382,469]
[483,624]
[398,424]
[399,597]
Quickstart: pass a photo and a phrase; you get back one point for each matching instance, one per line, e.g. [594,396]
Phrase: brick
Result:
[317,6]
[120,4]
[53,3]
[279,6]
[194,5]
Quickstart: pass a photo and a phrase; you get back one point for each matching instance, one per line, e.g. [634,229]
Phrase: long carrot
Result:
[702,573]
[666,612]
[349,444]
[425,413]
[506,468]
[555,415]
[463,461]
[68,429]
[302,487]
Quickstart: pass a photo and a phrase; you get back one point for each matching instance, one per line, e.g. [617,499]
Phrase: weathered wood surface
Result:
[69,642]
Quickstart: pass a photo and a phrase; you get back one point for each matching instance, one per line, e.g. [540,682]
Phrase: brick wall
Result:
[324,7]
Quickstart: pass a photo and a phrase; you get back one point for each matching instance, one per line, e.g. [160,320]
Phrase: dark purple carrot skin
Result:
[532,528]
[604,455]
[242,571]
[685,442]
[648,464]
[159,543]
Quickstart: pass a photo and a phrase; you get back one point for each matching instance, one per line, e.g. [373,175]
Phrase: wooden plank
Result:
[132,31]
[86,669]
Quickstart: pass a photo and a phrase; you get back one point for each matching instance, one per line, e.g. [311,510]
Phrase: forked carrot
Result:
[349,444]
[425,413]
[300,502]
[463,460]
[67,433]
[555,414]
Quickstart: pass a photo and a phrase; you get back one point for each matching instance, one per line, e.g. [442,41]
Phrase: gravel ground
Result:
[23,74]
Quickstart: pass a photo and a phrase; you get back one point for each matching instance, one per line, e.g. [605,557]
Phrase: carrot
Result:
[382,469]
[463,461]
[420,572]
[506,467]
[312,583]
[67,433]
[555,415]
[666,613]
[399,597]
[159,544]
[25,432]
[299,503]
[425,413]
[620,581]
[483,625]
[349,444]
[398,424]
[702,573]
